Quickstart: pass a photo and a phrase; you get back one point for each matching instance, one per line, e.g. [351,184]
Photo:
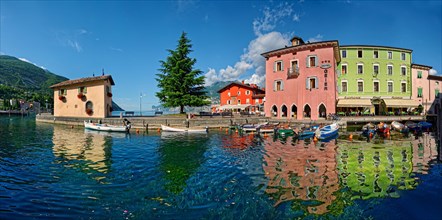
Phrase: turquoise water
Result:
[54,171]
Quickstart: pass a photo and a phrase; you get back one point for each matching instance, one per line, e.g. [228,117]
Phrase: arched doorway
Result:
[89,108]
[284,111]
[307,111]
[274,111]
[322,111]
[294,111]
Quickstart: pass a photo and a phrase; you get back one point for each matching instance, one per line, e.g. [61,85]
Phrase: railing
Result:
[292,72]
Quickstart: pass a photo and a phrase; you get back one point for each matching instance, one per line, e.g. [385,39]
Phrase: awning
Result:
[354,103]
[401,103]
[242,107]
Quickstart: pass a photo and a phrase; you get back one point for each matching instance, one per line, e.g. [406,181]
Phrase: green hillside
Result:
[212,90]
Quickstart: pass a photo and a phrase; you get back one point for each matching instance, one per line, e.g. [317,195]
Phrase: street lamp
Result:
[141,96]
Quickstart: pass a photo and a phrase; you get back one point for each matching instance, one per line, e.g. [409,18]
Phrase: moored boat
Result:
[172,129]
[106,127]
[397,125]
[425,125]
[327,131]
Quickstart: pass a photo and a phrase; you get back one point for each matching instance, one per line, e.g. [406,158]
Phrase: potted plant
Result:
[60,97]
[89,111]
[80,95]
[109,94]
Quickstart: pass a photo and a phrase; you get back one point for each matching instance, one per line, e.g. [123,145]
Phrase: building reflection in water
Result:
[82,149]
[325,177]
[303,172]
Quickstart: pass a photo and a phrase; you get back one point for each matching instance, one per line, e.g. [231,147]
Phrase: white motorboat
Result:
[171,129]
[106,127]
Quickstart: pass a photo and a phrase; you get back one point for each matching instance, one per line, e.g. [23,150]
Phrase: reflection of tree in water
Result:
[180,158]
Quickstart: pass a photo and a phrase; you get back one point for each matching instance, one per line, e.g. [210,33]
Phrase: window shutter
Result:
[316,61]
[85,89]
[274,86]
[339,89]
[282,85]
[79,89]
[316,83]
[307,64]
[282,66]
[307,83]
[274,66]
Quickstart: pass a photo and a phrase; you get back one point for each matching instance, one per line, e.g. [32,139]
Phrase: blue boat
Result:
[327,131]
[424,125]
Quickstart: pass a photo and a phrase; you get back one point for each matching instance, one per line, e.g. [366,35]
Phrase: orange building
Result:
[240,96]
[89,97]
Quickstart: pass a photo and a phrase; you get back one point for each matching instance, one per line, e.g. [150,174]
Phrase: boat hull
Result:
[171,129]
[105,127]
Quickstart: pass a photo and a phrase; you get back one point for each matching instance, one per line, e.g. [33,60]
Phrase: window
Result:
[436,93]
[228,94]
[359,53]
[278,86]
[278,66]
[344,86]
[89,107]
[82,90]
[247,92]
[228,102]
[62,92]
[390,70]
[311,83]
[344,69]
[360,69]
[419,74]
[239,101]
[294,64]
[360,86]
[247,101]
[390,86]
[375,86]
[402,56]
[239,93]
[403,70]
[403,87]
[419,92]
[256,101]
[375,54]
[311,61]
[390,55]
[344,54]
[375,69]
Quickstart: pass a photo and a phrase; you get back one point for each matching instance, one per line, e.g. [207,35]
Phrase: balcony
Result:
[292,73]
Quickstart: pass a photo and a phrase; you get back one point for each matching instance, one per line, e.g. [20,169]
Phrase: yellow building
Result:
[89,97]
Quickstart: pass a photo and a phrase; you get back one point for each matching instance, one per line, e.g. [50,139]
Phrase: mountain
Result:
[23,75]
[212,90]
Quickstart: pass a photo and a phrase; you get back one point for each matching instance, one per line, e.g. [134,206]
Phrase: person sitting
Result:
[127,124]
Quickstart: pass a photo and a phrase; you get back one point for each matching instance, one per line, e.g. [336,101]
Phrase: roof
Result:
[375,46]
[307,46]
[83,80]
[401,103]
[435,77]
[240,85]
[354,103]
[259,96]
[243,106]
[420,66]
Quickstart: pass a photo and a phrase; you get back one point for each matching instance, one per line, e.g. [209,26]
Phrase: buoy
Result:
[158,130]
[138,131]
[371,135]
[72,126]
[220,128]
[236,131]
[315,139]
[350,137]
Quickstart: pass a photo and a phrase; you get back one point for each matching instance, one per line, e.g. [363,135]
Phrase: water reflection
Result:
[181,154]
[304,174]
[86,150]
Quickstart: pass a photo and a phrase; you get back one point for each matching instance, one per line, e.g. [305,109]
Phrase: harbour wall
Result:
[153,123]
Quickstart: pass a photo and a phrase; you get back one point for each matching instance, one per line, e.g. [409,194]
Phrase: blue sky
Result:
[128,38]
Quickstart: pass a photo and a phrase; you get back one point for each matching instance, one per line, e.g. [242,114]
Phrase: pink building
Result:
[301,80]
[426,87]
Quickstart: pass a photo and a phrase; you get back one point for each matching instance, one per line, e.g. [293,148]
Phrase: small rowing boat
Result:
[106,127]
[171,129]
[327,131]
[397,125]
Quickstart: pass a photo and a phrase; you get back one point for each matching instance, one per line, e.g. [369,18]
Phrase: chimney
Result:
[242,82]
[296,41]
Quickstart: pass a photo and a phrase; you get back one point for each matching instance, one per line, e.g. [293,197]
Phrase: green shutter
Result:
[419,92]
[419,74]
[436,92]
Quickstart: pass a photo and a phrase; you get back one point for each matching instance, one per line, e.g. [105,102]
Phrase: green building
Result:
[374,80]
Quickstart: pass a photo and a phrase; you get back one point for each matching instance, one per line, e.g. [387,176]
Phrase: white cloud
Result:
[315,38]
[296,17]
[433,72]
[71,38]
[251,65]
[251,59]
[26,60]
[116,49]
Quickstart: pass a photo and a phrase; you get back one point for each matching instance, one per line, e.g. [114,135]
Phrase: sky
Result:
[128,39]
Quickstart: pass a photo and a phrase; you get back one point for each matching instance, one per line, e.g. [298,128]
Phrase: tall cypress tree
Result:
[180,84]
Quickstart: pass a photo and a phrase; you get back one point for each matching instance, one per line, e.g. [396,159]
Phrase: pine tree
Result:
[180,84]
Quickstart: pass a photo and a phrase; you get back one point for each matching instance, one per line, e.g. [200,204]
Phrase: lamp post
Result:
[141,96]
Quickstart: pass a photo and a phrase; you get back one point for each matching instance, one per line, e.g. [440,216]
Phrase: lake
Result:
[54,171]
